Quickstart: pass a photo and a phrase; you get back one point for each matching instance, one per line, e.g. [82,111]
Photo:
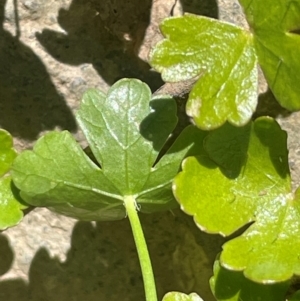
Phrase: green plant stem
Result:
[142,249]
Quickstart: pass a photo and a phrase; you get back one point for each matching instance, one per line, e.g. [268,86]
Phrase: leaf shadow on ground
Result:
[102,263]
[29,102]
[6,255]
[108,34]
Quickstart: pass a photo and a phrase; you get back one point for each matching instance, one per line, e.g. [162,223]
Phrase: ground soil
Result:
[51,51]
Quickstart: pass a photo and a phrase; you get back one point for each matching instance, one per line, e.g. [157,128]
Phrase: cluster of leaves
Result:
[225,57]
[241,176]
[237,173]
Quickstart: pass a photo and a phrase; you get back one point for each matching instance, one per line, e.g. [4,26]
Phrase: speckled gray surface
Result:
[49,257]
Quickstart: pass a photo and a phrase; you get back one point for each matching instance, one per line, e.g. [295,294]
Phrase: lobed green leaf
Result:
[222,55]
[275,27]
[295,297]
[233,286]
[244,178]
[177,296]
[7,152]
[10,206]
[126,131]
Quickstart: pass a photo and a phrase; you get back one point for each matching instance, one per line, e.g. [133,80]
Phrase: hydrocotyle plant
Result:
[126,130]
[225,56]
[246,166]
[237,174]
[11,205]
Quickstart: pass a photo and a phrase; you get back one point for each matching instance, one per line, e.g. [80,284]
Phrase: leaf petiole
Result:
[142,249]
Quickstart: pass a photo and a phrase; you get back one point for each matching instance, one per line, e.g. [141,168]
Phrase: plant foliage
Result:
[10,207]
[224,56]
[275,27]
[244,178]
[176,296]
[199,46]
[233,286]
[126,130]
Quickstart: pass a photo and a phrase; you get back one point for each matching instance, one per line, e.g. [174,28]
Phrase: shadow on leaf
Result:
[232,285]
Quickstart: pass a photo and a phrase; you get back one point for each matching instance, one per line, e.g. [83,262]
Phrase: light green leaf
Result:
[253,168]
[275,26]
[177,296]
[125,130]
[246,180]
[10,207]
[223,55]
[233,286]
[7,152]
[269,250]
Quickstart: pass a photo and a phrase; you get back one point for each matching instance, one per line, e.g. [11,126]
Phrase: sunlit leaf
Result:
[245,178]
[233,286]
[10,207]
[276,28]
[126,130]
[222,55]
[248,174]
[269,250]
[177,296]
[7,152]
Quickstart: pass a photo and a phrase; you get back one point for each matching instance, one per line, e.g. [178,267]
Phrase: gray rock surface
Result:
[52,51]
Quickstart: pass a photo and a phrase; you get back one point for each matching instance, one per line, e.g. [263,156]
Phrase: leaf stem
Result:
[142,249]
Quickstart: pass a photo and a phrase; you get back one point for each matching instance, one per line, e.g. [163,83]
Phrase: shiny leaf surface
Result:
[245,178]
[295,297]
[222,55]
[276,28]
[233,286]
[126,130]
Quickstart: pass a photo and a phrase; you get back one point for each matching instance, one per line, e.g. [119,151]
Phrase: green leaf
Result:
[276,37]
[233,286]
[177,296]
[269,250]
[10,207]
[223,55]
[7,152]
[125,130]
[253,167]
[295,297]
[246,179]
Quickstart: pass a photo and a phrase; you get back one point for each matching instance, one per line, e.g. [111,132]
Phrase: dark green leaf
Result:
[295,297]
[176,296]
[125,130]
[248,173]
[246,179]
